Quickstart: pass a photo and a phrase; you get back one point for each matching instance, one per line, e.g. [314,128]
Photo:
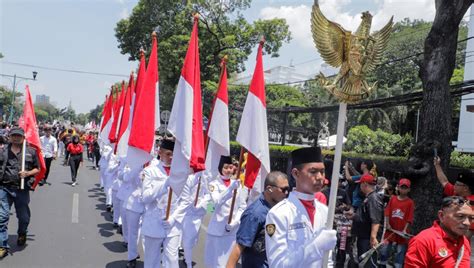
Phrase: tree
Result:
[439,61]
[222,31]
[6,102]
[96,113]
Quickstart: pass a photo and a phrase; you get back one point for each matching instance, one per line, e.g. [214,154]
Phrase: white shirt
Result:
[49,146]
[288,245]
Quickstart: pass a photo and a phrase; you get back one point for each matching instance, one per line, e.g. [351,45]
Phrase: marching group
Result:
[283,226]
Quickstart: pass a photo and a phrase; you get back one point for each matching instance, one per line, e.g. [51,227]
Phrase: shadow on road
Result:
[13,246]
[115,246]
[121,264]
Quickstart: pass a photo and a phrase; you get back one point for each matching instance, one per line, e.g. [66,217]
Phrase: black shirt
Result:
[10,165]
[370,212]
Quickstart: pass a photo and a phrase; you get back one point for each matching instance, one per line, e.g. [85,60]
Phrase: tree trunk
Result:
[436,109]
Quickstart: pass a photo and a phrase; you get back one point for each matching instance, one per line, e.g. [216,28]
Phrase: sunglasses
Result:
[456,200]
[284,190]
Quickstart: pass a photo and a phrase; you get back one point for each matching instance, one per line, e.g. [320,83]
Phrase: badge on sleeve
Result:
[211,188]
[270,228]
[443,252]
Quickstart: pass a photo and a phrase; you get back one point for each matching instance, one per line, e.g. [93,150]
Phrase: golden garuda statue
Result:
[357,54]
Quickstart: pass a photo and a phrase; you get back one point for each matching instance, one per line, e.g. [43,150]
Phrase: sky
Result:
[79,35]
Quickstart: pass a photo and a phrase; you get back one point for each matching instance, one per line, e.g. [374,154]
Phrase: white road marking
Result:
[75,208]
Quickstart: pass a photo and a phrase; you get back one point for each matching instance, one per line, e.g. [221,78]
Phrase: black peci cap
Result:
[167,144]
[306,155]
[468,179]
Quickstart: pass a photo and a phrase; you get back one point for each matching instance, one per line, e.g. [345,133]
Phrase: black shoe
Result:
[119,229]
[21,240]
[108,208]
[116,225]
[132,263]
[3,252]
[41,183]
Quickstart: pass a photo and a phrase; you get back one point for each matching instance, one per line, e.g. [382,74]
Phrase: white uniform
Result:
[289,234]
[110,176]
[134,210]
[155,230]
[103,163]
[219,242]
[116,203]
[124,191]
[194,214]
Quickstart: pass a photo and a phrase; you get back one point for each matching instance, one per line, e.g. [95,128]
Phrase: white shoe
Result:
[74,184]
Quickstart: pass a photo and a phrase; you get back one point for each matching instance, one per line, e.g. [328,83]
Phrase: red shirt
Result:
[434,248]
[399,213]
[74,148]
[449,191]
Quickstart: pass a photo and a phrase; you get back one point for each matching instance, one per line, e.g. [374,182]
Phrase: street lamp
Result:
[35,73]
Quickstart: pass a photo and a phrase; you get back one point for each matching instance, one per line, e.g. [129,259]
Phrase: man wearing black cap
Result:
[157,230]
[10,184]
[221,235]
[295,228]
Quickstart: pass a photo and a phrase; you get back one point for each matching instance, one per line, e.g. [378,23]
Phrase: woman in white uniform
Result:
[221,235]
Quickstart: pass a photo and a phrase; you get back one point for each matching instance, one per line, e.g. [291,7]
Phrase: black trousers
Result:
[74,162]
[47,161]
[97,158]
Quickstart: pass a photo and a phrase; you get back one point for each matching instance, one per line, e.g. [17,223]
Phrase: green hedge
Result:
[279,157]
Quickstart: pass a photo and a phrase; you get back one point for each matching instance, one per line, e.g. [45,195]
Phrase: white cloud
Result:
[298,17]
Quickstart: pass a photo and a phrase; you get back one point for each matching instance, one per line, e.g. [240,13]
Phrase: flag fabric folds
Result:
[106,121]
[253,131]
[117,115]
[29,125]
[146,114]
[218,129]
[185,121]
[124,126]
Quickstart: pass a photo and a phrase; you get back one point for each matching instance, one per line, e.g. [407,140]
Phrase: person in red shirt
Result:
[444,245]
[398,216]
[75,150]
[464,186]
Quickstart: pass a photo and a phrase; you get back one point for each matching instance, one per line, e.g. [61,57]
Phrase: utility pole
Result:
[10,118]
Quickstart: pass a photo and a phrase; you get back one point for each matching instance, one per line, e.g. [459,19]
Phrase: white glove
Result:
[230,227]
[168,224]
[326,240]
[234,185]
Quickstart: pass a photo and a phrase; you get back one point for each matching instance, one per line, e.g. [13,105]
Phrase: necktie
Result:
[309,206]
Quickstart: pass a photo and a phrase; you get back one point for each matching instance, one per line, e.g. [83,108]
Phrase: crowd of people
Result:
[283,226]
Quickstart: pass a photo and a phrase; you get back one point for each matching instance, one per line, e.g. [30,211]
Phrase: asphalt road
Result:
[70,227]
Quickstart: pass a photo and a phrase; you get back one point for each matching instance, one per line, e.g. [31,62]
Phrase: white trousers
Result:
[133,222]
[117,203]
[217,250]
[123,214]
[108,194]
[190,235]
[153,252]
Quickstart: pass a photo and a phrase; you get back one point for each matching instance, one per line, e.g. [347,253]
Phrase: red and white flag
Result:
[146,114]
[253,131]
[106,121]
[186,119]
[124,126]
[218,129]
[31,134]
[117,115]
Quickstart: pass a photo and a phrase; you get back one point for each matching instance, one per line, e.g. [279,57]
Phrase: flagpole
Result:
[234,195]
[168,206]
[341,121]
[224,60]
[22,182]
